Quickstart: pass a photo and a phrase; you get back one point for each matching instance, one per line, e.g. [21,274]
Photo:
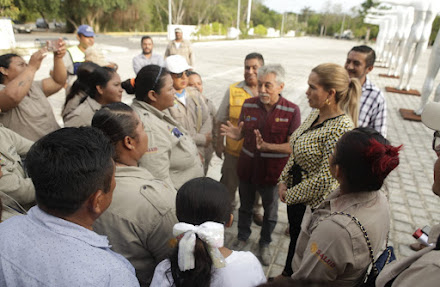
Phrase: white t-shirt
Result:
[242,269]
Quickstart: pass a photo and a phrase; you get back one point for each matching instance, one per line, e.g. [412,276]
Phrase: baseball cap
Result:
[86,30]
[178,30]
[176,64]
[431,116]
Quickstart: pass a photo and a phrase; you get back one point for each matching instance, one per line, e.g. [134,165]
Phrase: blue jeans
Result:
[269,197]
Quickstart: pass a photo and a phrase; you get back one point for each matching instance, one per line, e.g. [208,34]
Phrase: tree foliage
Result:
[213,16]
[8,9]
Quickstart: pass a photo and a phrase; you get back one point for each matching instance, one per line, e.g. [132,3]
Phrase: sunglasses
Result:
[180,75]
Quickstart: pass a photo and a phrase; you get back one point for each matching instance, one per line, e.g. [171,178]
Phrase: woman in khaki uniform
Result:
[189,108]
[141,217]
[105,88]
[14,182]
[80,88]
[172,154]
[331,247]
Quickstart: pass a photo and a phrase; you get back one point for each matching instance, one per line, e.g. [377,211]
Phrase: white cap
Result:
[176,64]
[431,116]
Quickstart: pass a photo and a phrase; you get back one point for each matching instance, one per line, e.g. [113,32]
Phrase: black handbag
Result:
[296,174]
[376,266]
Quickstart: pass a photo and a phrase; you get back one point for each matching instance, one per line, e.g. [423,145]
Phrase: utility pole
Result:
[238,19]
[170,14]
[342,27]
[248,14]
[282,25]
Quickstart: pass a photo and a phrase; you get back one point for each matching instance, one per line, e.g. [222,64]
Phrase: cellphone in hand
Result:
[52,45]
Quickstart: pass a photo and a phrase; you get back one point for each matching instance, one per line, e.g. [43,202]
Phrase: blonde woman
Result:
[306,178]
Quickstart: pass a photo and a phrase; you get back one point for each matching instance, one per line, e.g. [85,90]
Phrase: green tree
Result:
[8,9]
[47,9]
[78,12]
[260,30]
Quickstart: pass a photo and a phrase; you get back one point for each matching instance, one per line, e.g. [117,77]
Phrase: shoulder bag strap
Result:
[367,239]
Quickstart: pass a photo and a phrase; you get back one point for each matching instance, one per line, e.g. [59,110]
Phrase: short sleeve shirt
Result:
[242,269]
[14,182]
[33,118]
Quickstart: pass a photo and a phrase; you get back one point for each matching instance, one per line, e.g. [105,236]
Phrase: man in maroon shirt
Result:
[266,123]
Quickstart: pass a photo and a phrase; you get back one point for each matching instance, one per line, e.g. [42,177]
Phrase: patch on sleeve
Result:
[314,249]
[151,150]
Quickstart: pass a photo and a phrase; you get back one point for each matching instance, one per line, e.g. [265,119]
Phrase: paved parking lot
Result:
[220,63]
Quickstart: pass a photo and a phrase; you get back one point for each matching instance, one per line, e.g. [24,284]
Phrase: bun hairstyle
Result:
[365,158]
[348,91]
[116,120]
[198,201]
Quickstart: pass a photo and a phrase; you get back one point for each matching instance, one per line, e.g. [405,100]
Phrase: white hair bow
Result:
[212,233]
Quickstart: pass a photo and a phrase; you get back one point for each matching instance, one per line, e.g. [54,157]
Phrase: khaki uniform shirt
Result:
[172,155]
[185,50]
[83,114]
[33,118]
[10,207]
[73,104]
[14,182]
[188,116]
[420,269]
[334,248]
[140,220]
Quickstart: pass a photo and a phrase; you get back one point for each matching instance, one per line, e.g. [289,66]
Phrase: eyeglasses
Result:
[436,141]
[180,75]
[157,78]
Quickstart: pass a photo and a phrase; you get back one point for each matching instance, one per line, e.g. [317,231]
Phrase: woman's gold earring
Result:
[327,102]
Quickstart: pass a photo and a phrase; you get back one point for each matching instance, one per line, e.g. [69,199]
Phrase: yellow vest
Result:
[76,54]
[237,96]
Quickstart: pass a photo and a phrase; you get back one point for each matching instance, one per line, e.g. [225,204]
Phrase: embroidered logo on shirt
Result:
[282,120]
[175,131]
[249,118]
[321,255]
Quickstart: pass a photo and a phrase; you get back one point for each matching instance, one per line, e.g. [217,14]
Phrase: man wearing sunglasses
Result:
[189,108]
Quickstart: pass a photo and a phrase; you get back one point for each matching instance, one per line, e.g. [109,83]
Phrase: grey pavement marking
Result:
[412,203]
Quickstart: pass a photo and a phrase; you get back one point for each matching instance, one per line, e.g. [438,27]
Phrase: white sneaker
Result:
[265,255]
